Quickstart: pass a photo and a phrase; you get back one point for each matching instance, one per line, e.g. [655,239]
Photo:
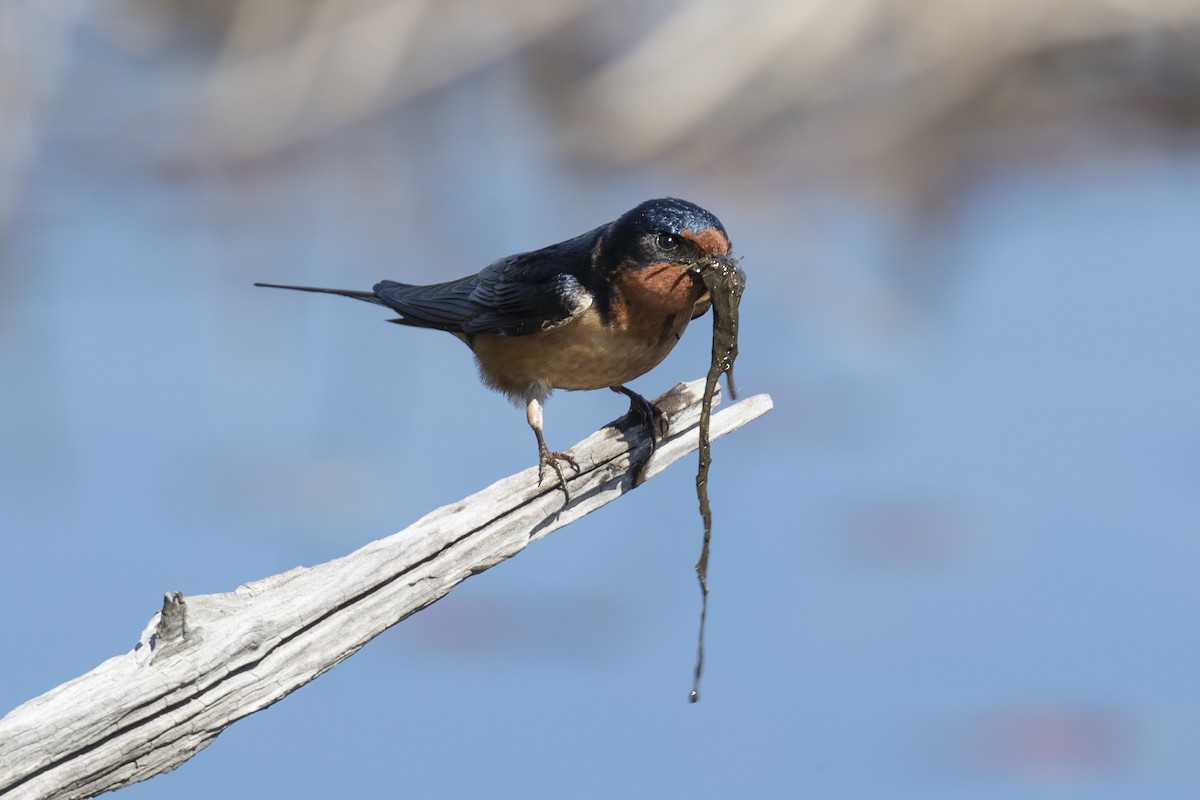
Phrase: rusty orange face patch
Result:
[710,240]
[663,287]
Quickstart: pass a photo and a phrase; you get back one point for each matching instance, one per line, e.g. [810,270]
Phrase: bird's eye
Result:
[667,241]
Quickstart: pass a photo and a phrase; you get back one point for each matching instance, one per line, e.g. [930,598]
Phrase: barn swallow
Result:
[591,312]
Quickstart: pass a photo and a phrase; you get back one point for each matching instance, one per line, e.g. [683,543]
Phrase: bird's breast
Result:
[646,319]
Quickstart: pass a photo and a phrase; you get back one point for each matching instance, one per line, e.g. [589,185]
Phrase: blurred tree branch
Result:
[766,88]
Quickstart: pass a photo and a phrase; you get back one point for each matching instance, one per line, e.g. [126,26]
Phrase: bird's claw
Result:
[652,418]
[547,456]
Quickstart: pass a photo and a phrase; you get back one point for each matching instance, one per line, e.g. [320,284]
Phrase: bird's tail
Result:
[357,295]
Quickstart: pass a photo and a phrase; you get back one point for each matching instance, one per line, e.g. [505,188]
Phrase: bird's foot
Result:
[649,416]
[551,458]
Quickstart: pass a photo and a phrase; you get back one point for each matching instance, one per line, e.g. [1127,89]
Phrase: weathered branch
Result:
[207,661]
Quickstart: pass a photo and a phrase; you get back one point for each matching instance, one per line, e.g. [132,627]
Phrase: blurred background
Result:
[957,560]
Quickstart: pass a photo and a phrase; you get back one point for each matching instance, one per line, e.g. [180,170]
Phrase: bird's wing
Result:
[514,296]
[445,306]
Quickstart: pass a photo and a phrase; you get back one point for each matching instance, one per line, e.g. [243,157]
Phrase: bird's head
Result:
[659,249]
[667,229]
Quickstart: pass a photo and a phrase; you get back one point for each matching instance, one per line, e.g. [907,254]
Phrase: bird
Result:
[592,312]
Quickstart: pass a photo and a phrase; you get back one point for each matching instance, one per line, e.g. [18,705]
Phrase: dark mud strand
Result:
[725,283]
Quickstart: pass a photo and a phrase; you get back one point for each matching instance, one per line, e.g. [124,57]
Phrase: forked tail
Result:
[357,295]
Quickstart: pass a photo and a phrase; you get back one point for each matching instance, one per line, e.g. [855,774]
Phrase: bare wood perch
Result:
[207,661]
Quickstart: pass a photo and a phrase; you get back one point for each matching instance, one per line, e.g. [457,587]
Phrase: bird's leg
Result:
[533,413]
[644,412]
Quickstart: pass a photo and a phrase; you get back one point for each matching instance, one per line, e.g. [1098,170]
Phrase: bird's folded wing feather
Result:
[514,296]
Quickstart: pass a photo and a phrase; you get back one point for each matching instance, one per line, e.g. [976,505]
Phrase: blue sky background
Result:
[957,560]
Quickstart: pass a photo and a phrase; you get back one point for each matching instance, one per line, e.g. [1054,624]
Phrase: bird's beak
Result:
[723,266]
[722,263]
[721,273]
